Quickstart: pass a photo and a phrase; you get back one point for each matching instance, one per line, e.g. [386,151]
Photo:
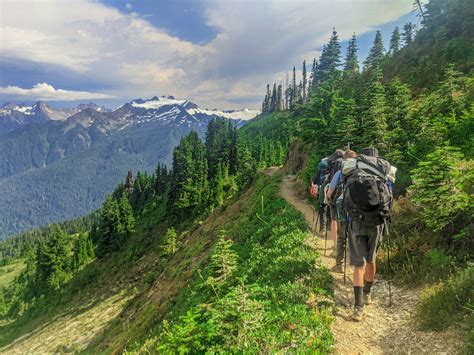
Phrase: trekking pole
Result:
[345,250]
[315,223]
[389,265]
[325,240]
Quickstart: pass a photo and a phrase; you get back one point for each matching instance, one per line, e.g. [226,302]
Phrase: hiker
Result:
[368,202]
[334,162]
[318,183]
[335,197]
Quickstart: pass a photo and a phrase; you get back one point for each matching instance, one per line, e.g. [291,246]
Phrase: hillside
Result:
[219,250]
[142,293]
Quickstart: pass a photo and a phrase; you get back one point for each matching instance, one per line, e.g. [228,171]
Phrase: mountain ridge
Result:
[47,156]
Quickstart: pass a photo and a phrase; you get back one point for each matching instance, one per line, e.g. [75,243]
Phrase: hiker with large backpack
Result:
[335,197]
[334,163]
[317,190]
[368,202]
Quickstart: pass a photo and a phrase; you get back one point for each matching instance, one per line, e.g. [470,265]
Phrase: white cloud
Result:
[128,6]
[46,92]
[256,43]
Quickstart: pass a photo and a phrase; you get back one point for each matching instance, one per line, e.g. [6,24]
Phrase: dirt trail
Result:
[384,329]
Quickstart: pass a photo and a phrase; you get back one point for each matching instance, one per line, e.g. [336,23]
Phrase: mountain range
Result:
[57,164]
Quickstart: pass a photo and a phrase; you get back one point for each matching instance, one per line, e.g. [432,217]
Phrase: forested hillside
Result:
[204,256]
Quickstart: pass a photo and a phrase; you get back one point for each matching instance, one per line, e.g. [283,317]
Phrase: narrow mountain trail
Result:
[385,329]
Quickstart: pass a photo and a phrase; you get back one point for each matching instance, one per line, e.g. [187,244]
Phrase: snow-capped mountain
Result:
[168,110]
[13,116]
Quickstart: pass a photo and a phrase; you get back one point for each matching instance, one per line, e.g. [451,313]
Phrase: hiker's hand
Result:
[313,189]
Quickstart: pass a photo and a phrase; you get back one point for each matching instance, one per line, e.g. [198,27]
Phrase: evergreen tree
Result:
[294,90]
[219,184]
[305,81]
[375,120]
[110,229]
[287,92]
[351,65]
[223,261]
[170,243]
[408,33]
[246,166]
[344,128]
[330,60]
[281,103]
[314,74]
[400,132]
[190,171]
[274,100]
[127,218]
[129,182]
[376,53]
[83,251]
[161,179]
[54,260]
[266,101]
[395,41]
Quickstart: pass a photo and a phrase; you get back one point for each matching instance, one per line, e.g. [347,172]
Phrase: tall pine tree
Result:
[376,53]
[305,81]
[408,33]
[330,59]
[374,123]
[351,64]
[395,41]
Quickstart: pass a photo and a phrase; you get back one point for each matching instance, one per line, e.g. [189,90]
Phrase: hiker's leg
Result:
[373,243]
[322,216]
[334,231]
[359,272]
[369,272]
[341,242]
[357,249]
[334,227]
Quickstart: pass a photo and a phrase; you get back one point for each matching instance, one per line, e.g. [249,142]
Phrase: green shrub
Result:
[442,190]
[447,302]
[170,245]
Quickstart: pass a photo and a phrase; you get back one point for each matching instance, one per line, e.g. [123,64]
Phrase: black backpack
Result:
[367,195]
[335,163]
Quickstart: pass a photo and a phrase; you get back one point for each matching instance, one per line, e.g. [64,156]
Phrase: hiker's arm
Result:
[329,195]
[336,179]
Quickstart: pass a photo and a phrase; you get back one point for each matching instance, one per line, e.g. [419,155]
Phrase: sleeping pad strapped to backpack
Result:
[368,196]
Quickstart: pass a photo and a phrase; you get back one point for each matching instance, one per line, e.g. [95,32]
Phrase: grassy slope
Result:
[10,271]
[121,302]
[277,277]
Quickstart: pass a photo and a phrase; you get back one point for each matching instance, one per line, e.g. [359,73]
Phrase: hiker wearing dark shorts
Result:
[364,240]
[368,200]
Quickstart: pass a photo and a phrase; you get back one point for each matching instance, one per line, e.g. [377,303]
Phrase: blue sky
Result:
[217,53]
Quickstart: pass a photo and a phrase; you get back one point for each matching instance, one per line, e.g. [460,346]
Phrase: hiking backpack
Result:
[367,195]
[335,164]
[322,172]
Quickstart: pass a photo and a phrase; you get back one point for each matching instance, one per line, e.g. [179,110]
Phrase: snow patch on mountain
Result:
[243,115]
[157,102]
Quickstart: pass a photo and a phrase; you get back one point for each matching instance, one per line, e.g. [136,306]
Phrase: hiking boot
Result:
[358,314]
[322,231]
[337,268]
[367,298]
